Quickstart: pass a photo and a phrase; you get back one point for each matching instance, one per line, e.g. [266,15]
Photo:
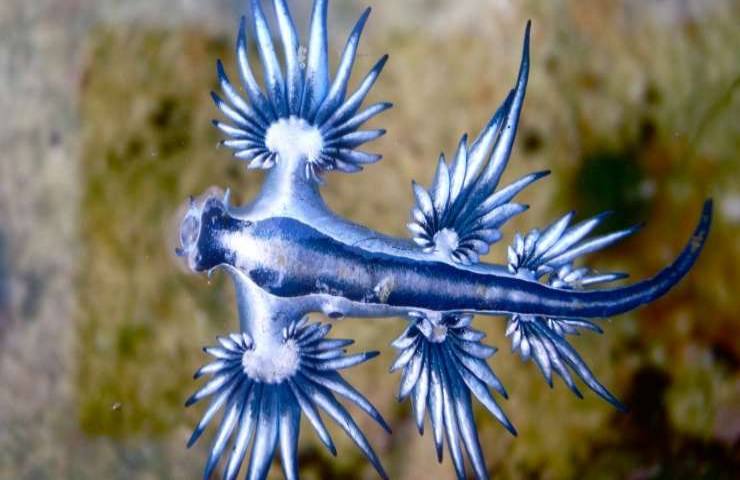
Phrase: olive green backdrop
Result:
[633,105]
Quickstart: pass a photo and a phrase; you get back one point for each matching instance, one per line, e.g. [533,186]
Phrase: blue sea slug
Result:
[289,256]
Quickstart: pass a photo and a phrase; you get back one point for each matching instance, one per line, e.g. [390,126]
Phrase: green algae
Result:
[147,146]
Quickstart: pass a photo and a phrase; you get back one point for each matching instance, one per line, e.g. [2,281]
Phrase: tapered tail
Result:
[539,299]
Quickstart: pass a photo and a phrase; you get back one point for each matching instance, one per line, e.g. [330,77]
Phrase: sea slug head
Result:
[202,229]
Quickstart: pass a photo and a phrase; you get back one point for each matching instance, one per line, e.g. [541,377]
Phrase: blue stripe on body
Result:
[296,260]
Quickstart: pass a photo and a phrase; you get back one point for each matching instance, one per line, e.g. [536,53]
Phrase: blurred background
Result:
[633,105]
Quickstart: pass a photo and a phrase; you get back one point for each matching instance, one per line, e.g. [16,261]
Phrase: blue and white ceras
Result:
[289,255]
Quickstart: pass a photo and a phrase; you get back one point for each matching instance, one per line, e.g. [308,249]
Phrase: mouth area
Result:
[189,232]
[206,223]
[191,227]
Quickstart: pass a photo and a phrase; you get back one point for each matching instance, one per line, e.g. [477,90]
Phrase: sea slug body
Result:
[290,256]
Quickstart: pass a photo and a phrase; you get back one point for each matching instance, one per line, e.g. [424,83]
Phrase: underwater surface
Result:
[633,105]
